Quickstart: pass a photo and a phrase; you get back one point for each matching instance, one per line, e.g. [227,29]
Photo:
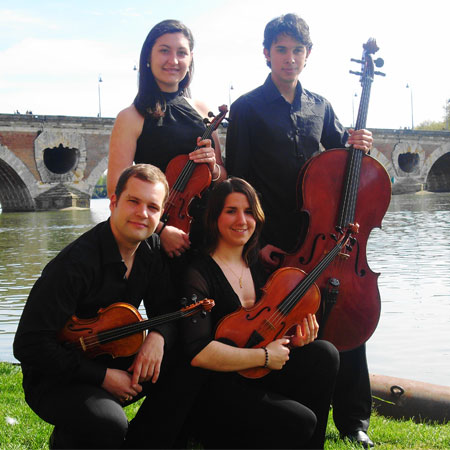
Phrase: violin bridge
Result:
[83,345]
[269,324]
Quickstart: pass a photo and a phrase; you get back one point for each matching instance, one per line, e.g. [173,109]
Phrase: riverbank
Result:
[21,429]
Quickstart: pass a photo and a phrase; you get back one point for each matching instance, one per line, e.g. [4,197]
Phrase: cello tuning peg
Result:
[379,73]
[334,237]
[355,73]
[379,62]
[352,240]
[349,247]
[356,60]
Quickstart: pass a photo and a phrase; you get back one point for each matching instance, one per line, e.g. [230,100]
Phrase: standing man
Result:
[273,131]
[117,260]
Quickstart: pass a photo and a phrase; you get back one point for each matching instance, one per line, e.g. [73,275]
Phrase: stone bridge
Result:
[54,162]
[51,162]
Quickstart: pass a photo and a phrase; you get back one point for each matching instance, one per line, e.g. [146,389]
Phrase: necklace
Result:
[233,272]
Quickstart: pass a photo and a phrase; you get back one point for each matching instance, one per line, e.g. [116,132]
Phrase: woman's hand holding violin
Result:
[174,241]
[205,154]
[278,351]
[305,333]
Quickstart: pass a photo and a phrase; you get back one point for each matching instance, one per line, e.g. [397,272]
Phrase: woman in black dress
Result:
[288,408]
[163,121]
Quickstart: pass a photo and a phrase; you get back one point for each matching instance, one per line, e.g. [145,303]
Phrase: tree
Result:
[437,126]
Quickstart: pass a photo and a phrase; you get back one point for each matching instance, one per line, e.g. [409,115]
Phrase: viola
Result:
[341,187]
[289,295]
[119,329]
[188,180]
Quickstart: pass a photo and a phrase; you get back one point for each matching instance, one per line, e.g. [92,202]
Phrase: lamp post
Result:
[412,108]
[229,95]
[447,112]
[99,99]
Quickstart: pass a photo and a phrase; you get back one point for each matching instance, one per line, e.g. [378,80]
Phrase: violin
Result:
[340,187]
[289,295]
[188,180]
[119,329]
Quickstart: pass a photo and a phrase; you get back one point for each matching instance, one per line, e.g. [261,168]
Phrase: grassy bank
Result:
[21,429]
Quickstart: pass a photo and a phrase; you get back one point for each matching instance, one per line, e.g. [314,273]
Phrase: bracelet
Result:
[162,228]
[266,363]
[218,176]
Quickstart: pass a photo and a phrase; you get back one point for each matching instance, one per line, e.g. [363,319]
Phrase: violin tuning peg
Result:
[211,114]
[183,301]
[203,314]
[206,121]
[194,298]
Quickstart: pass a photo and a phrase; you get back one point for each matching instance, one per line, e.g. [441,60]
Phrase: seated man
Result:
[117,260]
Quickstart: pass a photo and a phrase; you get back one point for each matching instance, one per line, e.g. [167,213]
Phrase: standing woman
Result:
[163,122]
[288,408]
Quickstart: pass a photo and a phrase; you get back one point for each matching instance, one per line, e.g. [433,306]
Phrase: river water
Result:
[411,253]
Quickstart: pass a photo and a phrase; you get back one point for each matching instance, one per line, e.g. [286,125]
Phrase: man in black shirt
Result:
[273,131]
[117,260]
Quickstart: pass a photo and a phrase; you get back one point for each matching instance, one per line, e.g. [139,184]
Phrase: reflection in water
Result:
[410,252]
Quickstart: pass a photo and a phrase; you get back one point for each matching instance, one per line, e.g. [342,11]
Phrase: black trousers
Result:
[352,400]
[285,409]
[85,417]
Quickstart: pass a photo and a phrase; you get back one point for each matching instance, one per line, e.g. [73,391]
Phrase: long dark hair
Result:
[215,206]
[149,98]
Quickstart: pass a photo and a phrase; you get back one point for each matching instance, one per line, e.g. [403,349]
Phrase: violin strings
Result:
[189,167]
[127,330]
[299,291]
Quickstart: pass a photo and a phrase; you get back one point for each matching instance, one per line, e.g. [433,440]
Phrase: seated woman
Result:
[287,408]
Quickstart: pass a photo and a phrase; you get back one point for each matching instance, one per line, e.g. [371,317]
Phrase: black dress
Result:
[287,408]
[172,135]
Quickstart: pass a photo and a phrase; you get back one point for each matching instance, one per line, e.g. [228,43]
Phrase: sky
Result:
[53,53]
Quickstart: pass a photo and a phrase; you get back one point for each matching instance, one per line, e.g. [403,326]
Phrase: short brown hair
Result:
[216,203]
[144,172]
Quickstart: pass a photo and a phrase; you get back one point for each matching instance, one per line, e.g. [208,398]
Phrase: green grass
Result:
[21,429]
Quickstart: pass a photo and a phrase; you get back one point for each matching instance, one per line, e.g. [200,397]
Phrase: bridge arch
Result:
[437,170]
[17,184]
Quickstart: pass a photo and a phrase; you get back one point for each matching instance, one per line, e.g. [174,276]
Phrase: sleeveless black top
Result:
[169,136]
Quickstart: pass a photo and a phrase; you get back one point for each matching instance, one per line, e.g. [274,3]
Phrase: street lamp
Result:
[412,108]
[99,100]
[229,95]
[447,112]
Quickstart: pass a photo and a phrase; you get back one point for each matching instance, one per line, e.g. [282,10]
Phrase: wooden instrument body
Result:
[82,334]
[256,327]
[177,208]
[356,313]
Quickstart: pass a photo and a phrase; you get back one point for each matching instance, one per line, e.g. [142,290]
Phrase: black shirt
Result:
[87,275]
[268,142]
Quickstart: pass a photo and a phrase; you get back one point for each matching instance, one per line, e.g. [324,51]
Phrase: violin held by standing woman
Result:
[164,122]
[295,395]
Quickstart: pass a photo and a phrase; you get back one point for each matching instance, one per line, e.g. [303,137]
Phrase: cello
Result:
[188,180]
[341,187]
